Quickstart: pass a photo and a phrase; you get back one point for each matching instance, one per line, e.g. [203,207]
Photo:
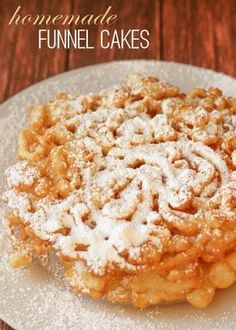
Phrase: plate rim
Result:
[104,64]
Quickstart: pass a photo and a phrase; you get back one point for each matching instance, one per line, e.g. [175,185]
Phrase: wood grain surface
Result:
[199,32]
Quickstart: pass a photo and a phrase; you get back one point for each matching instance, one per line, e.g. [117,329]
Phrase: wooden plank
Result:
[144,15]
[224,21]
[23,63]
[187,32]
[174,30]
[4,326]
[201,33]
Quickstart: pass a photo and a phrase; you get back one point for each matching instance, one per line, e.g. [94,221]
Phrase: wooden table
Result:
[199,32]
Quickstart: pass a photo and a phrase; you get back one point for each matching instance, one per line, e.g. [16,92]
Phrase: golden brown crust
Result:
[157,164]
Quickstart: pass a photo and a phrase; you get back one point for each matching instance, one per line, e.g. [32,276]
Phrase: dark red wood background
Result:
[199,32]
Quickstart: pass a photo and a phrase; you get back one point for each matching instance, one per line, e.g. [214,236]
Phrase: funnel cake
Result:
[134,188]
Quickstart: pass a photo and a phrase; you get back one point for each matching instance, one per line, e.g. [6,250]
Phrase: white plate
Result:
[37,298]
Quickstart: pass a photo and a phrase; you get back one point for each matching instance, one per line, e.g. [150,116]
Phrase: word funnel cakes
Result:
[133,188]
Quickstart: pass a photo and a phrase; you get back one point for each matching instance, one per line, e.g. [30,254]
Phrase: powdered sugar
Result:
[21,173]
[117,189]
[82,312]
